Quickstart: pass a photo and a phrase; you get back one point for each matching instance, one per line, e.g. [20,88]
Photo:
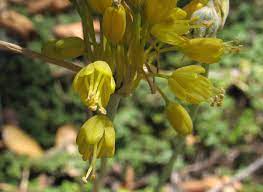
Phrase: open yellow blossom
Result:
[94,83]
[96,139]
[179,118]
[204,50]
[190,86]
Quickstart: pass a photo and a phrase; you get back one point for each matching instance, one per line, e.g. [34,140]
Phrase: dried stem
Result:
[34,55]
[256,165]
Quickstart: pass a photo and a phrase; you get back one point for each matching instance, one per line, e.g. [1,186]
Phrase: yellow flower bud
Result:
[96,139]
[190,86]
[66,48]
[204,50]
[157,11]
[114,23]
[95,84]
[100,5]
[179,119]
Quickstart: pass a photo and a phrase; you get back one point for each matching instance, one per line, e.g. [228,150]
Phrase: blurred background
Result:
[40,114]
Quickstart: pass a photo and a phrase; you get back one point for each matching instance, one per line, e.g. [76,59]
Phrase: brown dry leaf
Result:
[200,185]
[208,183]
[72,29]
[68,30]
[39,6]
[16,23]
[66,135]
[17,141]
[60,5]
[129,178]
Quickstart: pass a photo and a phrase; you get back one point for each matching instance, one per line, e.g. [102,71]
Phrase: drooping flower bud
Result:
[179,118]
[157,11]
[204,50]
[190,86]
[114,23]
[100,5]
[67,48]
[96,139]
[95,84]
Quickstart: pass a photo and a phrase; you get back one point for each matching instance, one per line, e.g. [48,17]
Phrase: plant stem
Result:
[34,55]
[111,111]
[166,173]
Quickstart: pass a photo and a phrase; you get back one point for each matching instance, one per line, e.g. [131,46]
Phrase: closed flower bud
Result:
[100,5]
[179,119]
[204,50]
[157,11]
[66,48]
[114,23]
[95,84]
[96,139]
[190,86]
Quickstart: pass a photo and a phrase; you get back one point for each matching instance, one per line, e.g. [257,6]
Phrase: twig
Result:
[241,175]
[34,55]
[201,165]
[24,180]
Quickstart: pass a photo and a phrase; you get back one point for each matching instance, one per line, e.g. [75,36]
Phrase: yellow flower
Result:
[100,5]
[157,11]
[114,23]
[179,118]
[204,50]
[190,86]
[96,139]
[94,83]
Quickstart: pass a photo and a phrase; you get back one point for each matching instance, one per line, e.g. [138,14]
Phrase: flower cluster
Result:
[133,34]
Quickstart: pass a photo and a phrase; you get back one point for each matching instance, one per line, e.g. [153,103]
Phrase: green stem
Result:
[111,111]
[166,173]
[85,26]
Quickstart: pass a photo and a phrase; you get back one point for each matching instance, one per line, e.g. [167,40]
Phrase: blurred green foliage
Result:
[144,139]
